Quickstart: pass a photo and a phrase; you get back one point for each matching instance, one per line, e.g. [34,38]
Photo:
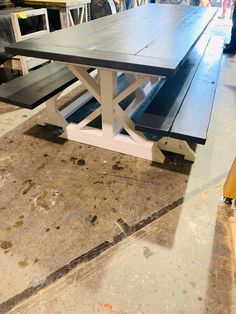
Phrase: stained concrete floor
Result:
[85,230]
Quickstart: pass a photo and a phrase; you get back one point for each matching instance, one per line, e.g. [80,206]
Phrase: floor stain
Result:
[147,252]
[81,162]
[29,186]
[109,308]
[77,161]
[5,245]
[91,219]
[117,166]
[18,223]
[23,263]
[193,284]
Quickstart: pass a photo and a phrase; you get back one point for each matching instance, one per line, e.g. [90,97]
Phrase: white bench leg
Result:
[176,146]
[51,114]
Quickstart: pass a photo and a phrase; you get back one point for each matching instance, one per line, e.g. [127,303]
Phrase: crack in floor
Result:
[88,256]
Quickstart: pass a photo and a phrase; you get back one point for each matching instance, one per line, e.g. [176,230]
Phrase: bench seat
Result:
[182,107]
[31,90]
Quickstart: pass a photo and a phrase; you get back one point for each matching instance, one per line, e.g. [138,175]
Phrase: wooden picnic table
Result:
[147,44]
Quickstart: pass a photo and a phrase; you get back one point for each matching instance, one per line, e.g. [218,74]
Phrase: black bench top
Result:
[193,118]
[152,39]
[31,90]
[182,107]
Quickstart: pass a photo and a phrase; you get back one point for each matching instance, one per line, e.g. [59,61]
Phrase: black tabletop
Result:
[152,39]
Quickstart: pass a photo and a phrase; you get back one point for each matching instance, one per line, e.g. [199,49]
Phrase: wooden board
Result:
[31,90]
[193,119]
[232,223]
[160,114]
[182,108]
[152,39]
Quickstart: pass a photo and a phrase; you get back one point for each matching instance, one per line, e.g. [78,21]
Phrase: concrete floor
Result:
[85,230]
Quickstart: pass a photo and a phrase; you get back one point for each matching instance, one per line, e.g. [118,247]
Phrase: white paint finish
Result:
[89,119]
[129,90]
[87,80]
[75,105]
[52,115]
[113,117]
[108,90]
[80,7]
[128,125]
[177,146]
[119,143]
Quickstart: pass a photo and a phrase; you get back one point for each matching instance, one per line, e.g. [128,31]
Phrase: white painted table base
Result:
[102,85]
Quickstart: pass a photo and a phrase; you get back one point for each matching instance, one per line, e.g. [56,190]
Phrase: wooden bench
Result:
[181,108]
[31,90]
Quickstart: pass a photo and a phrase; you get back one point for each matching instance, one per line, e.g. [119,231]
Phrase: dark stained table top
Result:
[152,39]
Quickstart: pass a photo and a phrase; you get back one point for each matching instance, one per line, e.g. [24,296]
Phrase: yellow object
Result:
[230,183]
[22,15]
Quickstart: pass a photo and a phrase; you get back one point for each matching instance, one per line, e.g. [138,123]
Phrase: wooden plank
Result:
[182,40]
[232,223]
[98,59]
[192,121]
[125,39]
[161,113]
[31,90]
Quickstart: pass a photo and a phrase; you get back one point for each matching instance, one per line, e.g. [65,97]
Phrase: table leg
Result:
[64,17]
[81,14]
[104,89]
[114,118]
[70,17]
[108,88]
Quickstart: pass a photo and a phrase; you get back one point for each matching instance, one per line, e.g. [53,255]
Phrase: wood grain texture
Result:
[164,107]
[232,224]
[152,39]
[193,119]
[31,90]
[182,107]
